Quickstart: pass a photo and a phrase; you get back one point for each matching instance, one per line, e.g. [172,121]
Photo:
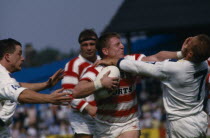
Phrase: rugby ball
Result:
[104,93]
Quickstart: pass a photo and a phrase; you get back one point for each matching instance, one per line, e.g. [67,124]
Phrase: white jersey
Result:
[122,106]
[9,92]
[183,84]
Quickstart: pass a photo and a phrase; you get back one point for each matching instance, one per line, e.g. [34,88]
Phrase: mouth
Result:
[89,53]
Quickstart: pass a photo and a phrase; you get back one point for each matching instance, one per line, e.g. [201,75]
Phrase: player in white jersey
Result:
[183,86]
[13,92]
[208,88]
[81,123]
[117,115]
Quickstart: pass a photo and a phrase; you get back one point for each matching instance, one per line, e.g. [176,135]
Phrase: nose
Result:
[89,47]
[121,46]
[22,58]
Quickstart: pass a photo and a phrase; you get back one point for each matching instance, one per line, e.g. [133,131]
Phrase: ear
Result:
[190,55]
[105,51]
[7,57]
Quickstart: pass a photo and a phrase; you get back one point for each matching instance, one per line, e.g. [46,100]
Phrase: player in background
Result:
[12,92]
[117,116]
[184,87]
[82,124]
[208,87]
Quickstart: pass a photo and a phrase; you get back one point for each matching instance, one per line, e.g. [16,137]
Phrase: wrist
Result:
[179,54]
[85,106]
[97,84]
[118,62]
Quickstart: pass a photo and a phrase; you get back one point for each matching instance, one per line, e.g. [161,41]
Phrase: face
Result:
[16,59]
[115,48]
[188,44]
[88,49]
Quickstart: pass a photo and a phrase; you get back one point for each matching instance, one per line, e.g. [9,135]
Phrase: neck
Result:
[6,65]
[92,59]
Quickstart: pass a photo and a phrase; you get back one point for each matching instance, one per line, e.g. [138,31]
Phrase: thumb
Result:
[59,90]
[107,73]
[96,63]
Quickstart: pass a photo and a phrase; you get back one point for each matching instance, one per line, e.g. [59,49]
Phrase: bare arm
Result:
[29,96]
[160,56]
[85,88]
[35,86]
[54,79]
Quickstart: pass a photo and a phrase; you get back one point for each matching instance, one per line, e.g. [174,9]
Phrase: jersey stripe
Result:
[118,113]
[68,86]
[117,99]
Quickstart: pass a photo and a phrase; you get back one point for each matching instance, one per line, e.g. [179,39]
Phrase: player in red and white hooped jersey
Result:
[73,71]
[116,115]
[124,99]
[81,123]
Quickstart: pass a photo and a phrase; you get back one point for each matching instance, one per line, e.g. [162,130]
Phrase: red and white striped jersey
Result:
[73,72]
[122,106]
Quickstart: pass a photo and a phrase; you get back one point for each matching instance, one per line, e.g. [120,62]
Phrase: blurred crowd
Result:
[42,120]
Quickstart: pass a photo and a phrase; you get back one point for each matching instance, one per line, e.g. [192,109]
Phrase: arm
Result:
[29,96]
[162,55]
[69,81]
[85,88]
[142,68]
[54,79]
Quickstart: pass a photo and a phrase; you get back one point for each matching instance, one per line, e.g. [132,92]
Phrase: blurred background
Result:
[49,30]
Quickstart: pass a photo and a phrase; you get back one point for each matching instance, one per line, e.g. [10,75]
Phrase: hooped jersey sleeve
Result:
[73,71]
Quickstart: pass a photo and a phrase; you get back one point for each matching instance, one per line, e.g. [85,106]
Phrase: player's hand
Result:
[110,83]
[55,78]
[106,62]
[91,110]
[60,98]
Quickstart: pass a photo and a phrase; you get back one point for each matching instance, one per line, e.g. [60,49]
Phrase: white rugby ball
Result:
[104,93]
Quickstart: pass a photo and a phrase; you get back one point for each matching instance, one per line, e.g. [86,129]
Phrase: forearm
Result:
[35,86]
[29,96]
[163,55]
[83,89]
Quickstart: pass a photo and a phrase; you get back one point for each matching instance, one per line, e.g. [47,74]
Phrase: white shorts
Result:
[188,127]
[112,130]
[82,123]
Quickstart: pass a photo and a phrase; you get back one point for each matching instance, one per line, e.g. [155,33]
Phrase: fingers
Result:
[58,73]
[59,90]
[107,73]
[96,63]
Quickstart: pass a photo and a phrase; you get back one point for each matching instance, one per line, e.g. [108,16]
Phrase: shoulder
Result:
[94,69]
[76,63]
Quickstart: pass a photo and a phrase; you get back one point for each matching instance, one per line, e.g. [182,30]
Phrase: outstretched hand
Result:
[60,98]
[55,78]
[106,62]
